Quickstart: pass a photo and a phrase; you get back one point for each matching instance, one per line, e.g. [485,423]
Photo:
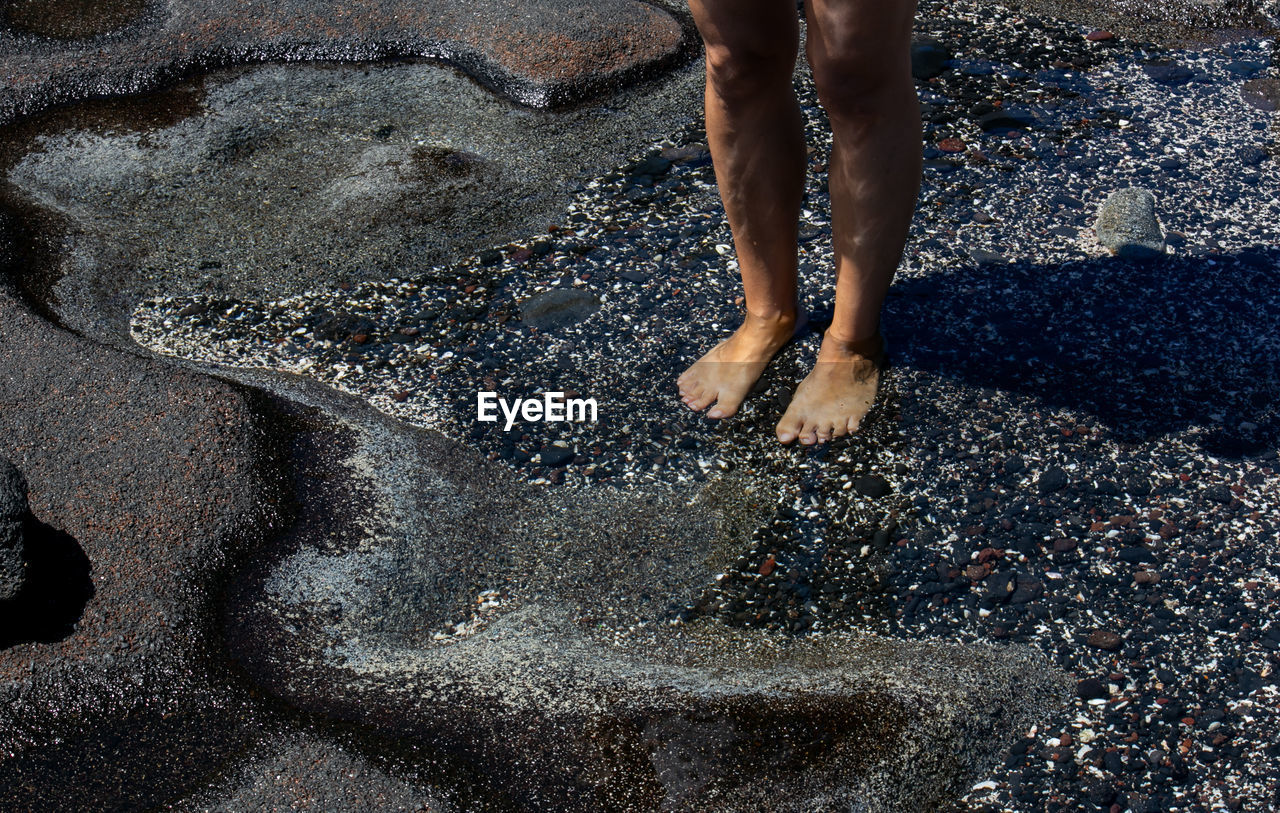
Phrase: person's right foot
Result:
[722,378]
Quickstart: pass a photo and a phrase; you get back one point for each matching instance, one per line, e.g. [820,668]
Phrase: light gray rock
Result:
[1127,224]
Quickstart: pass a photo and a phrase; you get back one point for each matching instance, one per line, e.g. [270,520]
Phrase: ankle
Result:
[774,319]
[868,347]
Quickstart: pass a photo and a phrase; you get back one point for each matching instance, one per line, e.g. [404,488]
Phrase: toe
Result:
[788,429]
[701,400]
[725,407]
[809,434]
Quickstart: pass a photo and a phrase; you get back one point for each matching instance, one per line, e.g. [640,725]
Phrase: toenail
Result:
[715,413]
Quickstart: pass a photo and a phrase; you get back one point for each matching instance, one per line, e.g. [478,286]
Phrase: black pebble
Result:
[1054,479]
[1169,74]
[556,455]
[870,485]
[1092,689]
[1252,156]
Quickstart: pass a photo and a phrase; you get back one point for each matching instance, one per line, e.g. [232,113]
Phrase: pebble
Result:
[929,58]
[558,308]
[1104,639]
[1126,224]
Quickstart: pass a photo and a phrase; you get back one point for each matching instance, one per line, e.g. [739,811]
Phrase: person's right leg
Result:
[756,135]
[860,52]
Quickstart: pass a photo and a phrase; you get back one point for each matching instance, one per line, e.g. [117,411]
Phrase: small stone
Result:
[692,155]
[1104,639]
[1064,545]
[1168,73]
[1251,156]
[951,145]
[552,455]
[1146,577]
[929,58]
[767,566]
[1262,93]
[1219,494]
[336,327]
[870,485]
[1027,590]
[984,257]
[1006,119]
[1127,224]
[1000,588]
[558,308]
[1245,67]
[653,166]
[1135,556]
[1054,479]
[1092,689]
[1098,35]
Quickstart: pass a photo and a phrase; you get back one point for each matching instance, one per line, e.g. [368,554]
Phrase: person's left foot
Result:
[835,397]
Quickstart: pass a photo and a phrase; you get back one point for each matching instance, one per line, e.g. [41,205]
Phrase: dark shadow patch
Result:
[734,749]
[58,587]
[1149,348]
[139,763]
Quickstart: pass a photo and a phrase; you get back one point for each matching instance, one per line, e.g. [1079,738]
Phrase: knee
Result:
[741,73]
[862,82]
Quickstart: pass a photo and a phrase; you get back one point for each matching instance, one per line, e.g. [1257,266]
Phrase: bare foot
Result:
[727,372]
[835,397]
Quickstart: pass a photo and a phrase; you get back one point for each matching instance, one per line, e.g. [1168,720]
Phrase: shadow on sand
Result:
[57,589]
[1148,348]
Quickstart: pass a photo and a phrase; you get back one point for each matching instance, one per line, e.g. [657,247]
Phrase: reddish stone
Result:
[1105,640]
[767,566]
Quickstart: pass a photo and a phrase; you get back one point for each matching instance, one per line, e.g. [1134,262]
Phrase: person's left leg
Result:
[860,53]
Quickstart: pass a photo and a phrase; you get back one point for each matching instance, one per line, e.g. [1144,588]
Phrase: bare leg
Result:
[756,135]
[860,54]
